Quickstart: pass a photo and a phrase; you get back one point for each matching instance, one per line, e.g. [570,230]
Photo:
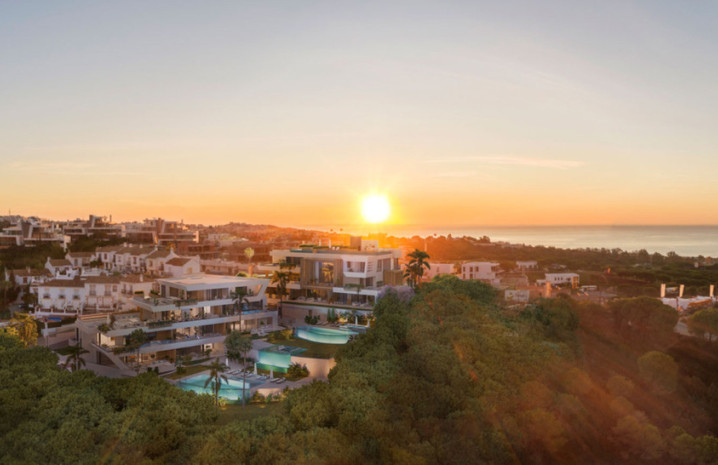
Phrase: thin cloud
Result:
[455,174]
[512,161]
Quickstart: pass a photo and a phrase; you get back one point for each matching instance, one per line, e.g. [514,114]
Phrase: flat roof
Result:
[210,280]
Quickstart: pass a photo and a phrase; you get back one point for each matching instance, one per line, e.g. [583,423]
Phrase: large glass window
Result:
[327,273]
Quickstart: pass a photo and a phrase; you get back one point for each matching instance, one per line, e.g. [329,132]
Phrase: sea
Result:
[689,241]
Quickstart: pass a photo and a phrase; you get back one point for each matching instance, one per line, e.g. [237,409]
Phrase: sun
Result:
[375,208]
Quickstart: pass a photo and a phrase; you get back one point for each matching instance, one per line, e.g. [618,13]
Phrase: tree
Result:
[237,347]
[24,326]
[659,369]
[414,270]
[643,318]
[216,377]
[74,358]
[704,321]
[281,279]
[249,253]
[135,340]
[239,296]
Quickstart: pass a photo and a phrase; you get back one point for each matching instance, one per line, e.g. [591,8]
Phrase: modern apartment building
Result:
[340,278]
[161,232]
[189,315]
[95,226]
[33,231]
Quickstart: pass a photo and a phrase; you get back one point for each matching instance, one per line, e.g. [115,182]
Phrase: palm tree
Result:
[237,347]
[239,295]
[216,369]
[74,358]
[249,253]
[414,270]
[281,278]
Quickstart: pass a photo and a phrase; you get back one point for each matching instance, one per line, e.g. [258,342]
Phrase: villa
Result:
[338,278]
[189,315]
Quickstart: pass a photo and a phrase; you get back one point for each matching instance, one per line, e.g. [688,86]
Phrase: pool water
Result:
[231,391]
[324,335]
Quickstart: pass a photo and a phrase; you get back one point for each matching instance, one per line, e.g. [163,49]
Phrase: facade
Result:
[32,231]
[95,226]
[343,279]
[161,232]
[29,276]
[483,271]
[93,294]
[80,259]
[528,265]
[438,269]
[182,266]
[517,295]
[190,315]
[561,279]
[60,268]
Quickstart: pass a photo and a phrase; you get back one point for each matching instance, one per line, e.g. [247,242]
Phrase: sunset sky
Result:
[514,112]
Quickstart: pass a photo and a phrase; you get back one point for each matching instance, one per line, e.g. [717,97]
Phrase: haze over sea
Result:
[685,240]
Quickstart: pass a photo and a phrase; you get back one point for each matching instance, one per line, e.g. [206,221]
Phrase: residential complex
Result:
[161,232]
[188,315]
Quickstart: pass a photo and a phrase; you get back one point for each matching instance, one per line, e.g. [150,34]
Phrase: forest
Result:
[447,376]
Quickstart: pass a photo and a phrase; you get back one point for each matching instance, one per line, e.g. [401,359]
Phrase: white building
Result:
[60,295]
[438,269]
[29,276]
[190,315]
[527,265]
[60,268]
[182,266]
[517,295]
[482,271]
[560,279]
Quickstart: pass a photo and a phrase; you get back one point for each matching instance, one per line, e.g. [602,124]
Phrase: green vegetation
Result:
[187,371]
[296,372]
[414,270]
[445,378]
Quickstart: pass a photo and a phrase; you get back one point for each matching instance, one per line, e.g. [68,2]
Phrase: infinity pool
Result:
[231,391]
[324,335]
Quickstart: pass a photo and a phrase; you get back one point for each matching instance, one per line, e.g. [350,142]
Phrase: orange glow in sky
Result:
[289,114]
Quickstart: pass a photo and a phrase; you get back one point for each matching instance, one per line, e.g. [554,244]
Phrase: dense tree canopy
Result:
[445,377]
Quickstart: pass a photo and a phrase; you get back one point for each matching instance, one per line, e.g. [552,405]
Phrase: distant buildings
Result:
[560,279]
[482,271]
[527,265]
[33,231]
[161,232]
[438,269]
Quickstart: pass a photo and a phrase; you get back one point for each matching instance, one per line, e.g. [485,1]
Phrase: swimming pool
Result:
[231,391]
[324,335]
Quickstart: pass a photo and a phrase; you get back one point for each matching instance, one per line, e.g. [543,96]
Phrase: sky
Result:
[286,112]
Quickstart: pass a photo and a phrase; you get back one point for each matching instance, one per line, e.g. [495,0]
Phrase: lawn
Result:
[235,412]
[188,371]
